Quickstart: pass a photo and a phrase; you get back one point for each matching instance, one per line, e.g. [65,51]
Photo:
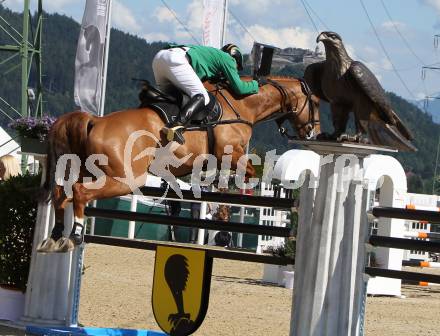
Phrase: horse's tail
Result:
[68,135]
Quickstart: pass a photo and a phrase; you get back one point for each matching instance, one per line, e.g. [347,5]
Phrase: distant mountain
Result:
[131,57]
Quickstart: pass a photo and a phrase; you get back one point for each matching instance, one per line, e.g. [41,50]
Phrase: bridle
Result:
[288,110]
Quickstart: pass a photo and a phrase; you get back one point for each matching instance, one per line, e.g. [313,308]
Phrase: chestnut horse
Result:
[83,134]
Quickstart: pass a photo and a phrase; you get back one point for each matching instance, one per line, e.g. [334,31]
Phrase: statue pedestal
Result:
[330,256]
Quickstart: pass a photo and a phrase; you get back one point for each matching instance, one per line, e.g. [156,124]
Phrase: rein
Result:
[280,117]
[237,114]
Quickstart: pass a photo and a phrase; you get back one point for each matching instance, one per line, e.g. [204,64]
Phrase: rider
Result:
[185,67]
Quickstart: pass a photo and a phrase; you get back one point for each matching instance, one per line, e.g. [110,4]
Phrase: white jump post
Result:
[330,254]
[385,173]
[132,224]
[52,289]
[201,234]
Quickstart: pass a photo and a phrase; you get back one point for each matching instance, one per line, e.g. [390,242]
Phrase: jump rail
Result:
[212,251]
[409,276]
[418,283]
[423,235]
[274,231]
[389,212]
[418,263]
[405,244]
[223,198]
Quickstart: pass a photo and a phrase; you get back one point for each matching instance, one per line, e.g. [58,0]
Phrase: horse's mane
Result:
[284,78]
[275,77]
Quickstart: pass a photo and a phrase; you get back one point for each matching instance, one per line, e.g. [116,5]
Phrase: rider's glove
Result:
[262,81]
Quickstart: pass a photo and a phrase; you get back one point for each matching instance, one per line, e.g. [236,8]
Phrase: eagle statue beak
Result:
[321,37]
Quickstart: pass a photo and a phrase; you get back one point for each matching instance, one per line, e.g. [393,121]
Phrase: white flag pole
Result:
[106,51]
[214,22]
[103,86]
[225,21]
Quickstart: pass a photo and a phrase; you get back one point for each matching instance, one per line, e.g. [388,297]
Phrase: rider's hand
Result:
[262,81]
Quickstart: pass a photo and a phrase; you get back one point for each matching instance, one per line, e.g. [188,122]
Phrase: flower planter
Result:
[33,146]
[11,304]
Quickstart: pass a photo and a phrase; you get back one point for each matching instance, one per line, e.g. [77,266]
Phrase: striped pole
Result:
[422,235]
[419,283]
[417,263]
[421,207]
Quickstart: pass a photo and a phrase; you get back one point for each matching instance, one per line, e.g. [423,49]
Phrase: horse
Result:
[83,134]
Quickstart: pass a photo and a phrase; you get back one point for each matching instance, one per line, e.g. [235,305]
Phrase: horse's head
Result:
[304,117]
[306,121]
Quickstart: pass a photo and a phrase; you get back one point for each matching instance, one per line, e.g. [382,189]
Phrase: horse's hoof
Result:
[47,246]
[64,245]
[77,239]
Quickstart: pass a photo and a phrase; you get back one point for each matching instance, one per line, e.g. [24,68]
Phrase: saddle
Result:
[168,106]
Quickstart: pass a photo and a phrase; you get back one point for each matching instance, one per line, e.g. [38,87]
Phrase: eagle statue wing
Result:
[313,77]
[373,90]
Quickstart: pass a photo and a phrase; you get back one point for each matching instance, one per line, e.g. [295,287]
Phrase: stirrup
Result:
[174,134]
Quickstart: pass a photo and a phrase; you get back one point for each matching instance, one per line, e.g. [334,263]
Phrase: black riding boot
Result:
[195,104]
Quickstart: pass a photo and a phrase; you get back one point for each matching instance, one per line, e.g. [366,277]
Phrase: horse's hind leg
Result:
[81,196]
[59,200]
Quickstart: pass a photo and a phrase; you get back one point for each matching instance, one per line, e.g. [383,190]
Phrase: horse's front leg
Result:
[250,171]
[239,163]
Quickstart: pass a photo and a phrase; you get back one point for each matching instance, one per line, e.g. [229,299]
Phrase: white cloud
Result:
[386,64]
[350,51]
[192,19]
[260,6]
[392,25]
[420,95]
[432,3]
[14,5]
[283,37]
[48,5]
[55,5]
[370,51]
[195,11]
[124,19]
[150,37]
[374,66]
[182,35]
[162,14]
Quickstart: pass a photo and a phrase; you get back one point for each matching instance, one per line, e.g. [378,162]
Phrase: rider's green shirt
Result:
[209,62]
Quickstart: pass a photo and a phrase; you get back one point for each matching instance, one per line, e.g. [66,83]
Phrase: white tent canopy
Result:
[8,145]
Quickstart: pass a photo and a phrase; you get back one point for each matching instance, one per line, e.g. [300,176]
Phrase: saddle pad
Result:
[169,112]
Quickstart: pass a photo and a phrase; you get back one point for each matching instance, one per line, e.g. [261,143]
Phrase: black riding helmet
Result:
[235,52]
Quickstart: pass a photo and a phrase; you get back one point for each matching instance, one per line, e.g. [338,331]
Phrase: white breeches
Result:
[172,69]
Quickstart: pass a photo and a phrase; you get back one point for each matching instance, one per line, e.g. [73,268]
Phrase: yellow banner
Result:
[182,278]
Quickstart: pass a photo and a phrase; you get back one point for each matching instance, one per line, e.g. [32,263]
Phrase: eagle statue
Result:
[348,85]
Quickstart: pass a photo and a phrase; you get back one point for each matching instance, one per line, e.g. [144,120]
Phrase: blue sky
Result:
[285,23]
